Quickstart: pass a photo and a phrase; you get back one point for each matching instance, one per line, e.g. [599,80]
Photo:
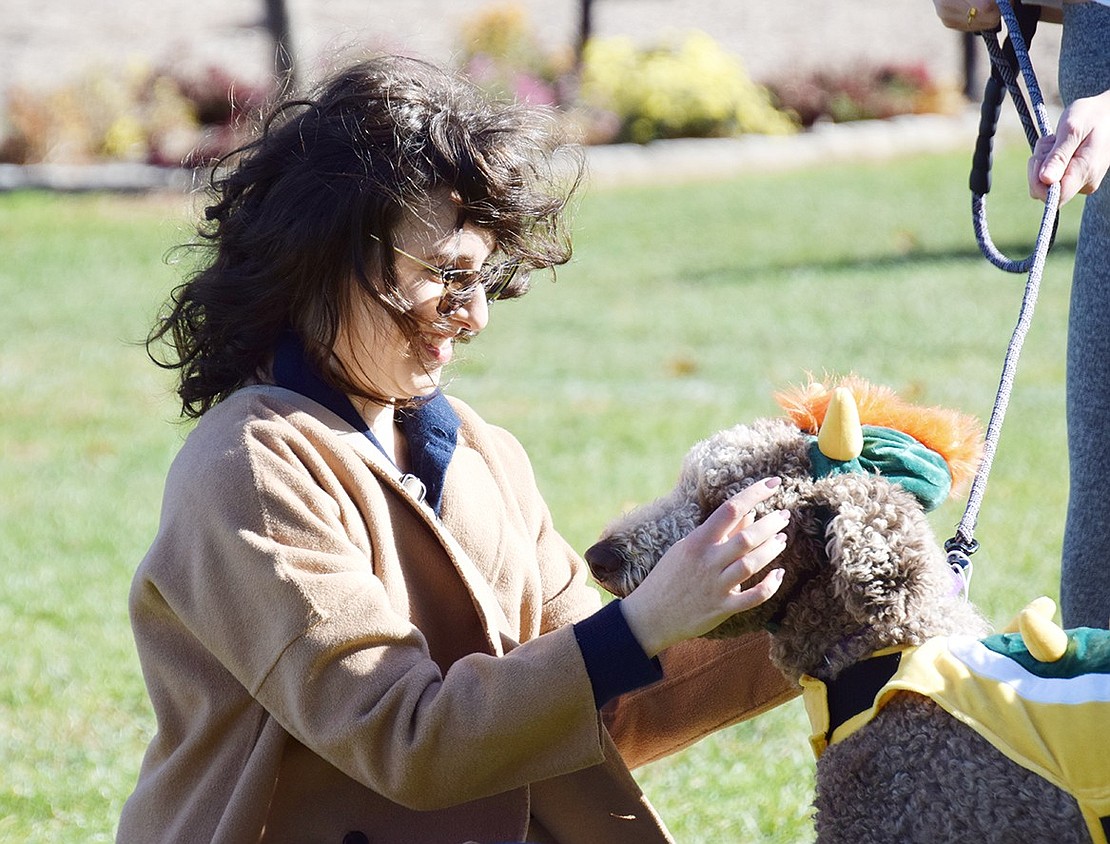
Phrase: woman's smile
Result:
[440,347]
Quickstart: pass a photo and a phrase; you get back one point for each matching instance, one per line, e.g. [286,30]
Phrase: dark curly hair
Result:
[289,234]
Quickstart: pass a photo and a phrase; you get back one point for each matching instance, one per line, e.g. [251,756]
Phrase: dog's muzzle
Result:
[608,565]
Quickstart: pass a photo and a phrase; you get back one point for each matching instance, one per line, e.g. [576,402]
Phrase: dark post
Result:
[973,85]
[585,28]
[277,22]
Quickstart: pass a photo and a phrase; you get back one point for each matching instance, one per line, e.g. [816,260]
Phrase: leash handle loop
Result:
[1009,61]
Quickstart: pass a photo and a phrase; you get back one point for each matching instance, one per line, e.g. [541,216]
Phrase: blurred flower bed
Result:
[864,93]
[144,114]
[499,50]
[686,87]
[618,91]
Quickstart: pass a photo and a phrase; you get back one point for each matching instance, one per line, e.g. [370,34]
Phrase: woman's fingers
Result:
[741,544]
[751,550]
[752,562]
[759,592]
[759,531]
[694,587]
[1039,177]
[736,515]
[1077,156]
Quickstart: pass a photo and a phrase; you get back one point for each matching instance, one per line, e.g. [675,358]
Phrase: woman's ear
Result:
[879,545]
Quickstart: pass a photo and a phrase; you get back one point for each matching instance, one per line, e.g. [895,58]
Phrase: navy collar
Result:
[431,425]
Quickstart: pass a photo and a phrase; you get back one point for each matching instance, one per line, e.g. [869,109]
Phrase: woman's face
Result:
[370,345]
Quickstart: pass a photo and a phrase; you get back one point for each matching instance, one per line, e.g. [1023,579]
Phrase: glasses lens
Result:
[459,286]
[458,289]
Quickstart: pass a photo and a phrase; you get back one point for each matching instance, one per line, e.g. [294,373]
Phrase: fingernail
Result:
[778,575]
[781,537]
[784,514]
[771,483]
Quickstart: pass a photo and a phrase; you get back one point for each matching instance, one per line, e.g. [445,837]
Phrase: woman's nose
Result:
[474,313]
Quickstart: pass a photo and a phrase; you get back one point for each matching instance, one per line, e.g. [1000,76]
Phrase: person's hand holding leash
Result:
[1078,155]
[968,15]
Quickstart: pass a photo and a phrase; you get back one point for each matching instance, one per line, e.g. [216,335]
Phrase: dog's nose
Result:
[604,560]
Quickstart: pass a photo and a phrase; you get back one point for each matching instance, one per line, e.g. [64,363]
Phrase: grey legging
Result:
[1085,574]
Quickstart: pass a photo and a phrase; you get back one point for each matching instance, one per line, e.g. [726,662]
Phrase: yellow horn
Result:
[841,435]
[1046,640]
[1043,606]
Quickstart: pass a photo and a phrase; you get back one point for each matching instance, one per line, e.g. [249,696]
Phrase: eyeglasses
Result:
[460,285]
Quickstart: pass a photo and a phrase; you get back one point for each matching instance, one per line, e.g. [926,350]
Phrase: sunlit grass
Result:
[684,309]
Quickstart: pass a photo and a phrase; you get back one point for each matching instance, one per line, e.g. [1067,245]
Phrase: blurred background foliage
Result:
[688,89]
[148,114]
[610,90]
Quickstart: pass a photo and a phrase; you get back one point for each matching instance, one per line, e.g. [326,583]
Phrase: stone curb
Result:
[659,162]
[115,177]
[718,158]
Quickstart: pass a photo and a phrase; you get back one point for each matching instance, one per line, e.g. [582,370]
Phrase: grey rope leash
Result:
[963,544]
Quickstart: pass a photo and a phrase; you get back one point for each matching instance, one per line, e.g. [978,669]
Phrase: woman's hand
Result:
[696,585]
[968,15]
[1078,155]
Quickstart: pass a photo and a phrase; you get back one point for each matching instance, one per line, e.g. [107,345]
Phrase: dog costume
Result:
[1050,717]
[1045,706]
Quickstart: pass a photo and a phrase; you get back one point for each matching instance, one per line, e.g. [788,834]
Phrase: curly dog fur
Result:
[863,571]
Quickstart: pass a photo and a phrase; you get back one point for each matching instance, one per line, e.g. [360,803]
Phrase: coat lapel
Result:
[495,625]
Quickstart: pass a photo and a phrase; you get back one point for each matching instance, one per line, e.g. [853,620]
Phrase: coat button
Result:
[356,837]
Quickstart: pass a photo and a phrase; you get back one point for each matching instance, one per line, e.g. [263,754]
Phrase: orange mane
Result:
[956,437]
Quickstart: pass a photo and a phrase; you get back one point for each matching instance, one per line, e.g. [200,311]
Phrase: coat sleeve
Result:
[707,684]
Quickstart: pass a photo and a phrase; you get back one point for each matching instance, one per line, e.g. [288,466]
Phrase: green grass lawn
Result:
[684,309]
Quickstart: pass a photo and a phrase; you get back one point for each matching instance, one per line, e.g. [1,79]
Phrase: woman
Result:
[356,622]
[1077,157]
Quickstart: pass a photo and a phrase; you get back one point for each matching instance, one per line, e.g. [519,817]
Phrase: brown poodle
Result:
[863,574]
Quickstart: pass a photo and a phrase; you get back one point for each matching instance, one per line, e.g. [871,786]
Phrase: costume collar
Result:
[849,697]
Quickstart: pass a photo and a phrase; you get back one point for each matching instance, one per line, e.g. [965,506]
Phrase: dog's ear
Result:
[881,548]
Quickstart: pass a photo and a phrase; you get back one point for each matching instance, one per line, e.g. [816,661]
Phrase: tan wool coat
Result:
[329,661]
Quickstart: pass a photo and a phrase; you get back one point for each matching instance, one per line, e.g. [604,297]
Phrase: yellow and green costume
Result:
[1050,717]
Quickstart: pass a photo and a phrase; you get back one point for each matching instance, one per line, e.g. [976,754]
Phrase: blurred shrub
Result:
[501,54]
[864,94]
[134,114]
[621,92]
[227,110]
[692,89]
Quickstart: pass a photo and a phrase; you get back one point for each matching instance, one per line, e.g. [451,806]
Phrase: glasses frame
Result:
[464,283]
